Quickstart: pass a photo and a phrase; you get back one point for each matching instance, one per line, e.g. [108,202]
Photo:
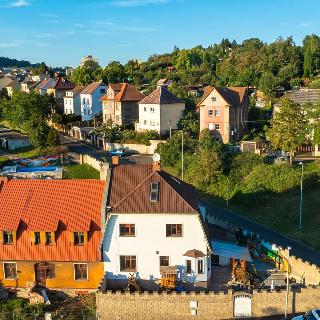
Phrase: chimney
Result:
[115,160]
[156,166]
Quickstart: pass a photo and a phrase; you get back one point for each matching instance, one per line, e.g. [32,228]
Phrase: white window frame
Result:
[74,272]
[217,127]
[217,113]
[211,126]
[4,274]
[152,109]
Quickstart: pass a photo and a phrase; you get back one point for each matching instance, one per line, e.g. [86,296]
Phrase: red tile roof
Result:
[124,92]
[92,87]
[51,205]
[130,191]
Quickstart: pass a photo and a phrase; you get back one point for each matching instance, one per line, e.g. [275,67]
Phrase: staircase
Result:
[220,276]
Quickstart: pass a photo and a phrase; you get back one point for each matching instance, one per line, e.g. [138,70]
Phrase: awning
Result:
[230,250]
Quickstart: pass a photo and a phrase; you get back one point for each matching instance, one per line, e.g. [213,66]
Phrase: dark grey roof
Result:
[303,96]
[161,96]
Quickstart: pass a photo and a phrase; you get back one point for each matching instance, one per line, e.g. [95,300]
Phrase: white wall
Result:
[149,116]
[150,238]
[94,106]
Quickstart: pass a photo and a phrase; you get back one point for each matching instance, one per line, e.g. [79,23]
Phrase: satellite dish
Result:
[156,157]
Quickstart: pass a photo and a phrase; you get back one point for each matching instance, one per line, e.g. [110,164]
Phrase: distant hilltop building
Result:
[86,59]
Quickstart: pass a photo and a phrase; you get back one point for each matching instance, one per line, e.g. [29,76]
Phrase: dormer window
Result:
[7,237]
[78,238]
[48,238]
[37,238]
[154,192]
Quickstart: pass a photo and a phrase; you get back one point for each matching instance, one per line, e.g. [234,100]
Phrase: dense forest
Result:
[8,62]
[253,62]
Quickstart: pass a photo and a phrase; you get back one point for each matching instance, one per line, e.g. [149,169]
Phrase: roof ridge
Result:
[181,197]
[134,189]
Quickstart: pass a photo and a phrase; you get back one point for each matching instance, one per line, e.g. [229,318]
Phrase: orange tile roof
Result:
[51,205]
[124,92]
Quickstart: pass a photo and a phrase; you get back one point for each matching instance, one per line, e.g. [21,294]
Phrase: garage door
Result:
[242,306]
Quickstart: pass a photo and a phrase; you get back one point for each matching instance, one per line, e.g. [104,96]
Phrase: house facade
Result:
[153,224]
[50,233]
[120,104]
[14,85]
[161,111]
[90,98]
[224,111]
[71,101]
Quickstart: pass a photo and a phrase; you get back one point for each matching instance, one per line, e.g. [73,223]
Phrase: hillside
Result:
[8,62]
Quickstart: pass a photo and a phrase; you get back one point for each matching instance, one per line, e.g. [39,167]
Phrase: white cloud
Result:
[9,44]
[304,24]
[136,3]
[19,4]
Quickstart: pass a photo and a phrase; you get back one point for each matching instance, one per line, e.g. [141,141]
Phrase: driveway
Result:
[298,249]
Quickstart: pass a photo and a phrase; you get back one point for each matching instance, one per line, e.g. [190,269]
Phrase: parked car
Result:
[310,315]
[117,152]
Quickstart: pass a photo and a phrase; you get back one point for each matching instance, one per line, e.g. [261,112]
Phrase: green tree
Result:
[268,83]
[114,72]
[289,127]
[190,123]
[86,74]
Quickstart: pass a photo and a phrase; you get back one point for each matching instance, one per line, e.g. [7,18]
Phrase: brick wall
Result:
[211,305]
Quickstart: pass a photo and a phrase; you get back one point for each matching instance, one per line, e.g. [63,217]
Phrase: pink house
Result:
[224,111]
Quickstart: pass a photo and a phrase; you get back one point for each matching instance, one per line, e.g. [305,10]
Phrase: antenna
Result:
[156,157]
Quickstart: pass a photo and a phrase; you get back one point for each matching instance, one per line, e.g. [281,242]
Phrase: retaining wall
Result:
[134,147]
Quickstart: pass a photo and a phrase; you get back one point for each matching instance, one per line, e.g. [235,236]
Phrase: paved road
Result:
[86,148]
[298,249]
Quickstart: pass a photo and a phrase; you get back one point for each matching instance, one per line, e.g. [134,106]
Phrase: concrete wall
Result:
[209,305]
[134,147]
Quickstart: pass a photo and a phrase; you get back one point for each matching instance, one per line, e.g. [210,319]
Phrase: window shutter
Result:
[32,236]
[42,237]
[1,237]
[71,237]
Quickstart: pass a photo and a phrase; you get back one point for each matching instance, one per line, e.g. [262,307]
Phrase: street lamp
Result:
[182,164]
[301,193]
[287,292]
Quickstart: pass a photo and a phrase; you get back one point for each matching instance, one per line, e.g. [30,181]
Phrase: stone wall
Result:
[134,147]
[102,167]
[304,272]
[209,305]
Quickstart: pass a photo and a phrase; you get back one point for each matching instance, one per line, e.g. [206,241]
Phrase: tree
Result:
[89,72]
[268,83]
[114,72]
[289,127]
[190,123]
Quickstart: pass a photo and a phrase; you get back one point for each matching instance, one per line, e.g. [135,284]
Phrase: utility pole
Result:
[182,164]
[287,291]
[301,194]
[170,128]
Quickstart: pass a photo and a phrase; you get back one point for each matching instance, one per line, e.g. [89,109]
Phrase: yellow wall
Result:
[64,275]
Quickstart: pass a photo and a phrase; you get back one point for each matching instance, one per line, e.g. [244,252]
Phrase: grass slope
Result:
[80,171]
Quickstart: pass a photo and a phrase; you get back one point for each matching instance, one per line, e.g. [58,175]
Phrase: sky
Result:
[60,32]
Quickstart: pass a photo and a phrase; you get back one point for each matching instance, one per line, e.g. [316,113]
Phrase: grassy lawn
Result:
[80,171]
[281,214]
[3,160]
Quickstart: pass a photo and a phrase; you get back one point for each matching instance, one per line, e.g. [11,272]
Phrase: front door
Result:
[40,274]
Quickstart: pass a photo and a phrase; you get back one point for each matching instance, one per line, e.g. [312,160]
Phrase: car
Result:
[117,152]
[310,315]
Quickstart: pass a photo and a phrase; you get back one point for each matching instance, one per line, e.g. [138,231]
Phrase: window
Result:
[217,126]
[213,99]
[174,230]
[128,263]
[217,113]
[80,271]
[210,113]
[78,238]
[164,261]
[37,239]
[144,121]
[188,266]
[87,100]
[127,230]
[154,192]
[48,238]
[83,100]
[200,266]
[102,90]
[50,271]
[152,109]
[210,126]
[145,109]
[7,237]
[10,270]
[153,123]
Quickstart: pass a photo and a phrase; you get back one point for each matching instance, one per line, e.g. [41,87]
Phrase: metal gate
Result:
[242,306]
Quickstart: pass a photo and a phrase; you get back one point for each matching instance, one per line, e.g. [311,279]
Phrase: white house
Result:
[71,101]
[161,110]
[153,223]
[90,96]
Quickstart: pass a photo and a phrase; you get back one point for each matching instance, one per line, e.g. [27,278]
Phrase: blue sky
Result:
[60,32]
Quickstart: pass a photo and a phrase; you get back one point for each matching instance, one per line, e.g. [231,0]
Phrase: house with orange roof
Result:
[224,111]
[50,233]
[120,104]
[90,99]
[154,228]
